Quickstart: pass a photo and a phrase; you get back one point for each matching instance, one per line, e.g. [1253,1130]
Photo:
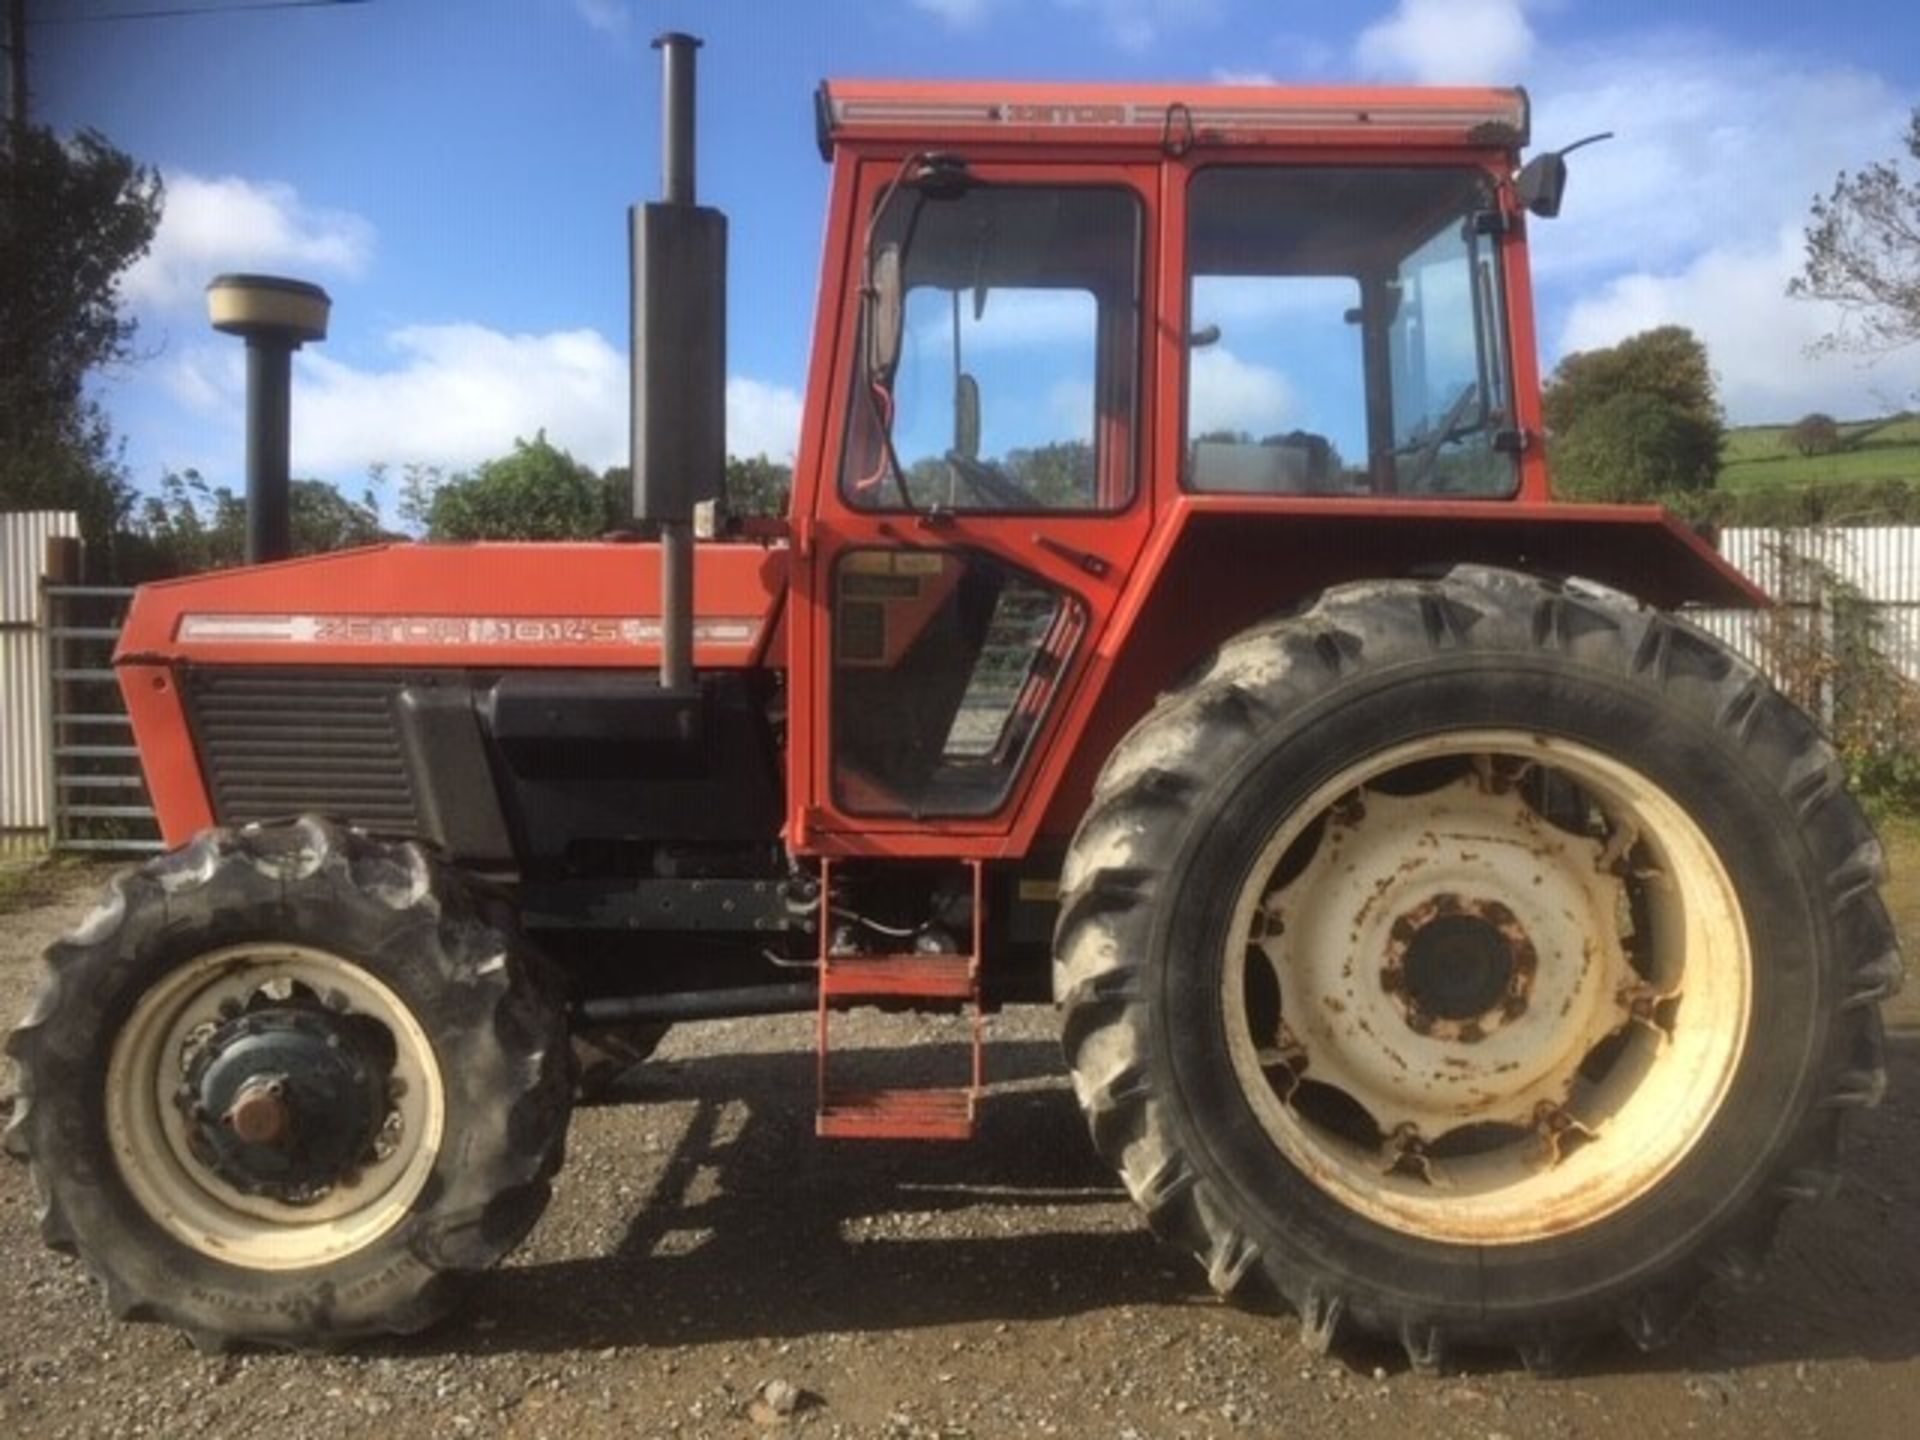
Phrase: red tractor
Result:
[1170,619]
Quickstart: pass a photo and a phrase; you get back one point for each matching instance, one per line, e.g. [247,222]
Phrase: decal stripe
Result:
[377,631]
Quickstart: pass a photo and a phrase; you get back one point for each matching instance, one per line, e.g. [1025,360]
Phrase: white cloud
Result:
[1228,76]
[961,14]
[1694,214]
[1713,146]
[1448,42]
[458,394]
[1758,340]
[1137,25]
[210,225]
[609,17]
[762,419]
[1228,393]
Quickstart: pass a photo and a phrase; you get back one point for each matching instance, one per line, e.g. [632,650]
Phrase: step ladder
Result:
[844,1113]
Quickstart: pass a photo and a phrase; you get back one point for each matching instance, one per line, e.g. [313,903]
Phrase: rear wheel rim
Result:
[1487,988]
[151,1133]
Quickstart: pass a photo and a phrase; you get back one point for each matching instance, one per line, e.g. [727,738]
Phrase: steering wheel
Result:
[989,483]
[1426,451]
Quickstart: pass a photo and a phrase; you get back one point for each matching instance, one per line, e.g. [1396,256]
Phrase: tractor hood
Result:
[593,605]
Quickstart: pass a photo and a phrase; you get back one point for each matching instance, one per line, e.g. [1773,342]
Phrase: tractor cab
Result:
[1283,323]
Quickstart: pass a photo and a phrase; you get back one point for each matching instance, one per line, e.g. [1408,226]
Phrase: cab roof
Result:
[932,114]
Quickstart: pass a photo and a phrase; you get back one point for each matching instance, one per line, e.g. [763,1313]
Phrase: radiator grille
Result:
[274,745]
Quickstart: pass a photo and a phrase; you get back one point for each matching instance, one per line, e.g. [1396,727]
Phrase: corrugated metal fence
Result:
[25,694]
[1881,563]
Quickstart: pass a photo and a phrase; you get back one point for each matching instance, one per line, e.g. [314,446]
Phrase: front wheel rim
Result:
[1487,988]
[151,1137]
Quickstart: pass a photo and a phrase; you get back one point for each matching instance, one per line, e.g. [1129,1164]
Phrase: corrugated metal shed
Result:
[24,749]
[1882,562]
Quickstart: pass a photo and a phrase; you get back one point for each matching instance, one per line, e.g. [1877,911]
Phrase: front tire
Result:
[1476,961]
[287,1085]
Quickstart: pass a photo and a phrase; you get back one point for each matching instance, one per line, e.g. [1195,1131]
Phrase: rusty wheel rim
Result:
[1487,988]
[152,1141]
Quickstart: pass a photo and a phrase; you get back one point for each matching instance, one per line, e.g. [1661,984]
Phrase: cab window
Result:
[1345,333]
[945,662]
[1010,382]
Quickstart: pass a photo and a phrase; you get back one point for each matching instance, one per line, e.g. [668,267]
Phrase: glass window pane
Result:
[1346,334]
[1014,384]
[1280,405]
[1030,354]
[945,662]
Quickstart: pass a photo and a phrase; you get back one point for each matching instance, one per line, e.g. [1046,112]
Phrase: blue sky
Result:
[455,172]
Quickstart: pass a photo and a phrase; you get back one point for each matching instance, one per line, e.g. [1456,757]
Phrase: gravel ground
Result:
[702,1244]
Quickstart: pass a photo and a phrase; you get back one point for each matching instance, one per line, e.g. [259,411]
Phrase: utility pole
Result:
[17,64]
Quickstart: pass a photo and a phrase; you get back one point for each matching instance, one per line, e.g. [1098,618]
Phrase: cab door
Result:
[980,498]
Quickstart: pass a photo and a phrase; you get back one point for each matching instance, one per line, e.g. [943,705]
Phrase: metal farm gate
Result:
[98,799]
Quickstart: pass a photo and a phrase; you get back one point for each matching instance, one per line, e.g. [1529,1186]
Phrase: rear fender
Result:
[1221,565]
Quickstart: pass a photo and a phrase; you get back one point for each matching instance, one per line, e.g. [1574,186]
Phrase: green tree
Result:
[1060,474]
[189,525]
[1632,447]
[538,492]
[74,214]
[1815,434]
[757,485]
[1863,253]
[1635,421]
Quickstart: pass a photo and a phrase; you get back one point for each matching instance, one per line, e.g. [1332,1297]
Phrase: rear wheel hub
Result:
[1487,987]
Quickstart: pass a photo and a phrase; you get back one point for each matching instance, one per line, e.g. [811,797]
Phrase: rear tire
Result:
[1336,1043]
[162,1104]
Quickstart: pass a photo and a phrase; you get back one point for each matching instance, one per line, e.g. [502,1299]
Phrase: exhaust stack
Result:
[275,317]
[678,256]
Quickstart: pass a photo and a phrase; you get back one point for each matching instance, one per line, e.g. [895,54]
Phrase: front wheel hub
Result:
[285,1102]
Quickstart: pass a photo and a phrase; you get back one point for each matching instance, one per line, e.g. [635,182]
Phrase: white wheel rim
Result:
[1467,973]
[149,1133]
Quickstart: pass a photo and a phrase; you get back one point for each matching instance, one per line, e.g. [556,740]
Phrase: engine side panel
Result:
[550,771]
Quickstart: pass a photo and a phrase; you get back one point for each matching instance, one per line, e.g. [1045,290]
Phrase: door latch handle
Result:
[1094,565]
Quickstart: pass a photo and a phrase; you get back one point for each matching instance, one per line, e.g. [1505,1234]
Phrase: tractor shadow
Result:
[745,1227]
[749,1227]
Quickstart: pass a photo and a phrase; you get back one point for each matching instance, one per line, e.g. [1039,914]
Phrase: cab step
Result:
[889,1113]
[896,1115]
[876,977]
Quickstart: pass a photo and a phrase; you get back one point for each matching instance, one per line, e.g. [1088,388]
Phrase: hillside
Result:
[1759,457]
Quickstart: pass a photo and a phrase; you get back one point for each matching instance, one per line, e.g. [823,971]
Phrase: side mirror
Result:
[1541,182]
[1543,179]
[885,316]
[966,417]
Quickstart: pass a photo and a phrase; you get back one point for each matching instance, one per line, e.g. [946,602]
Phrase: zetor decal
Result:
[587,631]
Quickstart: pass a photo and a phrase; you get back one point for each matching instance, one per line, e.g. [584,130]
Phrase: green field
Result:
[1759,457]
